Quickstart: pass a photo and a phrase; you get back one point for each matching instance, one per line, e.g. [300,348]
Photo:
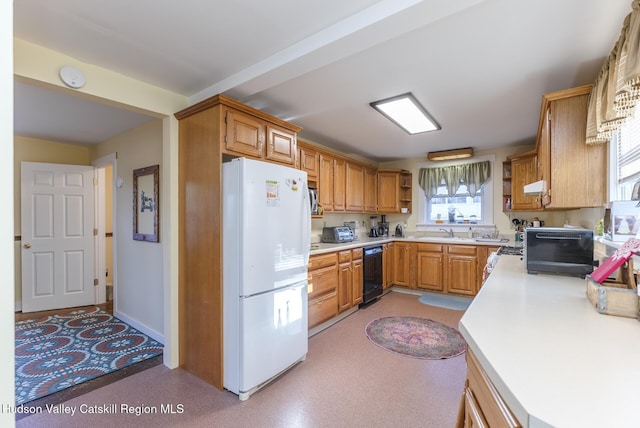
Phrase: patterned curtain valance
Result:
[616,91]
[473,175]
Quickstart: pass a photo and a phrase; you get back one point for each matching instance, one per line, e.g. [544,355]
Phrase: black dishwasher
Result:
[372,284]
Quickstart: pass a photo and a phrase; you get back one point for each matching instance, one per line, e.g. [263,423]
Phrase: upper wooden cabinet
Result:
[523,171]
[326,182]
[574,171]
[370,190]
[252,136]
[339,184]
[354,187]
[394,190]
[309,162]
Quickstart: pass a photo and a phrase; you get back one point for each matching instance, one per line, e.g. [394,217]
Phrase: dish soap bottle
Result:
[470,233]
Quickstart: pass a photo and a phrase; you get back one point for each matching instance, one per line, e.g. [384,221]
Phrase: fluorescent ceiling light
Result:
[406,112]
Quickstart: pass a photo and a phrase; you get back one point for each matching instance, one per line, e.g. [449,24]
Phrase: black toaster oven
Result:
[558,250]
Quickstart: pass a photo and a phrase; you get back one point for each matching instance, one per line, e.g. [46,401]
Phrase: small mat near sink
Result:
[459,303]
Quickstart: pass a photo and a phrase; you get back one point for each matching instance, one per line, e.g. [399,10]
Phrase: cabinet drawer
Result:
[357,253]
[465,250]
[492,406]
[322,260]
[322,280]
[432,248]
[323,308]
[344,256]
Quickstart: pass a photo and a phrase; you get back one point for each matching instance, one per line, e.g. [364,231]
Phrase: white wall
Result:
[139,275]
[7,395]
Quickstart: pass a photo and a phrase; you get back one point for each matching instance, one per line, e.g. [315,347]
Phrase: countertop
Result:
[552,357]
[322,248]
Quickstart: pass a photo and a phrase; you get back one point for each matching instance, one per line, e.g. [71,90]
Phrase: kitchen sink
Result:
[446,239]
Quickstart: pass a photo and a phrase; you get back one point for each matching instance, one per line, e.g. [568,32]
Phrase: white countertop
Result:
[321,248]
[552,357]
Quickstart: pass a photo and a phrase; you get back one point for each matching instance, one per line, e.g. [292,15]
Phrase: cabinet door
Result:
[402,264]
[345,281]
[339,185]
[325,182]
[356,295]
[245,134]
[523,171]
[354,187]
[388,188]
[577,178]
[387,265]
[462,274]
[429,267]
[309,163]
[322,280]
[281,145]
[370,190]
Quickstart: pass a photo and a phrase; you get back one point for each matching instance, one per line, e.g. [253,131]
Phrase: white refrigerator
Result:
[266,219]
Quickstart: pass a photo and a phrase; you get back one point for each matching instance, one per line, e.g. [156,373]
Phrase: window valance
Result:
[616,90]
[473,175]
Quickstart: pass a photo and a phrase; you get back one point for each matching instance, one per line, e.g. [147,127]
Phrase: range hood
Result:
[536,188]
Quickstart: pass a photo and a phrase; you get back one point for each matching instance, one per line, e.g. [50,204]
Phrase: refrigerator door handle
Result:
[307,222]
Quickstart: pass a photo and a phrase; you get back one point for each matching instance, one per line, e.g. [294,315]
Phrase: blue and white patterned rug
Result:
[59,351]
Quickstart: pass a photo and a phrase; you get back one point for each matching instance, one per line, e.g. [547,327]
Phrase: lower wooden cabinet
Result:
[402,263]
[462,269]
[322,279]
[481,404]
[387,265]
[350,276]
[430,267]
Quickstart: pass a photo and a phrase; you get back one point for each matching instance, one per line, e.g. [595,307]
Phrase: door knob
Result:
[27,245]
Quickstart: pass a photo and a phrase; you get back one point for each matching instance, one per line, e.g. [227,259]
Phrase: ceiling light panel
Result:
[406,112]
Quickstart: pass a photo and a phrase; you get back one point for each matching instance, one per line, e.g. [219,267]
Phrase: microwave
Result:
[558,250]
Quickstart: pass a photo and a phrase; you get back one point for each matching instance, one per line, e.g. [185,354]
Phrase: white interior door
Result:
[57,203]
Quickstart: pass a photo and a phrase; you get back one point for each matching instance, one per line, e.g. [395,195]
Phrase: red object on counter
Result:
[617,259]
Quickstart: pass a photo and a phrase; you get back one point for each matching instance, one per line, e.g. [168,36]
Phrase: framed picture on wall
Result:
[146,205]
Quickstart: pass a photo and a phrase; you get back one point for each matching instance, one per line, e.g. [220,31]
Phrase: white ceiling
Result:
[479,67]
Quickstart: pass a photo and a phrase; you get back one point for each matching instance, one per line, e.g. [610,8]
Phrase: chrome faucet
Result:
[449,232]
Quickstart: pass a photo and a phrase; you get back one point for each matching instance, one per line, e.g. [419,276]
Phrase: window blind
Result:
[629,151]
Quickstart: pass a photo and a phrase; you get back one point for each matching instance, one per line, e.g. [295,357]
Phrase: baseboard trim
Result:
[138,326]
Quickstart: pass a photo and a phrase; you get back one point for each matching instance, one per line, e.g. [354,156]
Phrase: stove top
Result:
[511,251]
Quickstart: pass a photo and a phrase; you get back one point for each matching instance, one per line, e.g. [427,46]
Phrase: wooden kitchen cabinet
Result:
[394,190]
[354,184]
[309,161]
[345,280]
[206,133]
[402,264]
[358,276]
[255,137]
[370,190]
[326,182]
[339,184]
[523,171]
[323,280]
[482,405]
[574,171]
[387,264]
[462,269]
[429,265]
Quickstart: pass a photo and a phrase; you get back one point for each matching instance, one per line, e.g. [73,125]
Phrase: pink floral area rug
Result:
[416,337]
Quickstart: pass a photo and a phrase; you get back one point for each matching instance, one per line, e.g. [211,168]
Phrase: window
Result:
[455,209]
[477,210]
[625,159]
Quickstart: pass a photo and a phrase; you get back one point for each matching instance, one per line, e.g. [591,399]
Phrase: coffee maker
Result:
[373,226]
